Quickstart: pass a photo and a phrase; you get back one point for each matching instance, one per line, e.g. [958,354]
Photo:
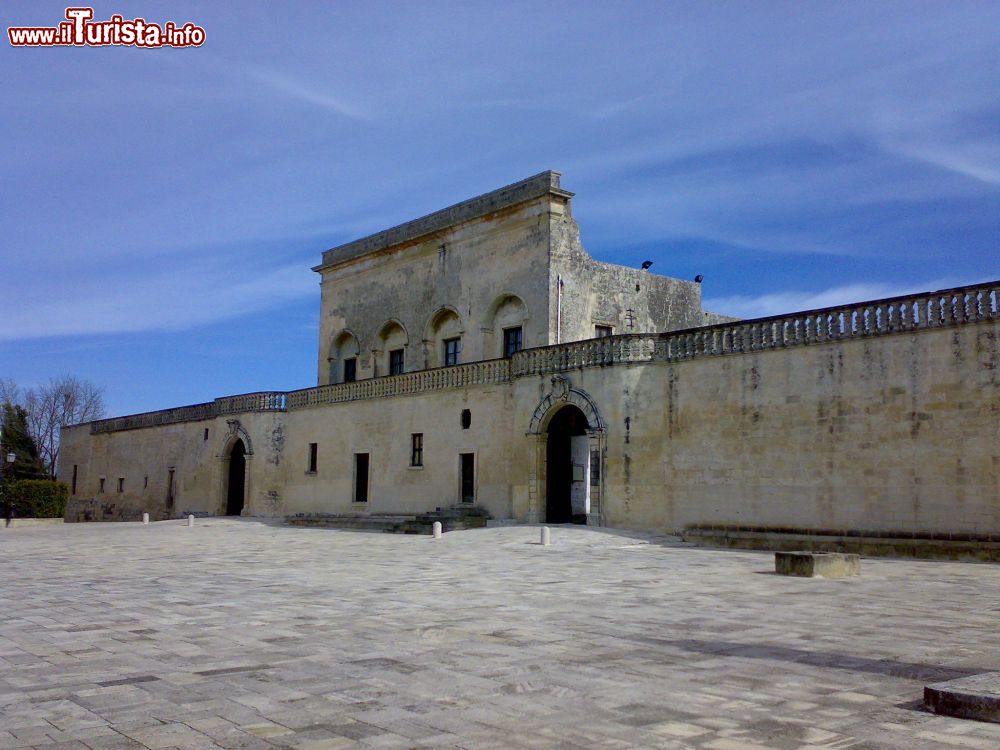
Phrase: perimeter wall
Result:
[883,416]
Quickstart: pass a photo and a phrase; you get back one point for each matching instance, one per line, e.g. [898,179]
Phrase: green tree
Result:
[46,409]
[17,440]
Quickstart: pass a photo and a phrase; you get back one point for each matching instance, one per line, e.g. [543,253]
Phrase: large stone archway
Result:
[235,475]
[569,457]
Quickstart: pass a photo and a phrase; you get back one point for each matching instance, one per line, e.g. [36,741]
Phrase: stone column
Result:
[536,480]
[595,440]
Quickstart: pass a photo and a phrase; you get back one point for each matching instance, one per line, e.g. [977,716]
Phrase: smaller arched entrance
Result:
[567,464]
[236,482]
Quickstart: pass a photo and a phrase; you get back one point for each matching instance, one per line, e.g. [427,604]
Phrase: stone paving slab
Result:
[975,697]
[245,635]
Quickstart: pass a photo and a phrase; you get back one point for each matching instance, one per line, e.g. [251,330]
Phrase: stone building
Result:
[478,356]
[499,273]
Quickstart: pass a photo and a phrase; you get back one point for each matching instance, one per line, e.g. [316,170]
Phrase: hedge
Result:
[37,498]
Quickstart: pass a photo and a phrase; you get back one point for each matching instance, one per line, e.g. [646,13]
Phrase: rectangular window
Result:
[468,477]
[452,350]
[313,456]
[361,477]
[417,449]
[396,362]
[170,488]
[350,369]
[145,482]
[511,341]
[100,489]
[73,491]
[121,484]
[206,434]
[602,331]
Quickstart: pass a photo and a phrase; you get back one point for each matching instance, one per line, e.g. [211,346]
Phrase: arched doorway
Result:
[567,458]
[236,485]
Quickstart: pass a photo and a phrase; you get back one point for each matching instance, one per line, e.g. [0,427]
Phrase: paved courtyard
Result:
[240,634]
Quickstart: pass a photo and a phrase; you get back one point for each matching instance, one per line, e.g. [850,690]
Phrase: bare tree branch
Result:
[62,401]
[10,392]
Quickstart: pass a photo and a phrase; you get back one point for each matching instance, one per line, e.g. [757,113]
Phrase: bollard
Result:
[145,519]
[546,536]
[190,521]
[437,529]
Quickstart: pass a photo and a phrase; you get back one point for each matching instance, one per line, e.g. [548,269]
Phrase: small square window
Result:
[417,449]
[602,331]
[396,362]
[511,341]
[350,369]
[313,457]
[452,350]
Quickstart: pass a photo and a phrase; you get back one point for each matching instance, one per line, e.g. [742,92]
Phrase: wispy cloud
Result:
[309,92]
[190,295]
[977,161]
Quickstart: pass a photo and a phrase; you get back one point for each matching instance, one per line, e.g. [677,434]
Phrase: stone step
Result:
[454,518]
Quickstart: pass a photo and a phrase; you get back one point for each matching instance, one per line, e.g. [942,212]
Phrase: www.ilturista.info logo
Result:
[79,30]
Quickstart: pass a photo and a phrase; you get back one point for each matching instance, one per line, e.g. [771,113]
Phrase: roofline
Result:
[543,183]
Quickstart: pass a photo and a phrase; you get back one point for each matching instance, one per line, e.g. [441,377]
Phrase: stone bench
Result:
[811,564]
[22,523]
[976,697]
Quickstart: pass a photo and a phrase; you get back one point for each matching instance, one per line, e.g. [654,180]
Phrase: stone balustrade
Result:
[948,307]
[475,373]
[242,404]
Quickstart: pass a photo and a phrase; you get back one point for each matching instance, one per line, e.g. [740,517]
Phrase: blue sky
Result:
[161,208]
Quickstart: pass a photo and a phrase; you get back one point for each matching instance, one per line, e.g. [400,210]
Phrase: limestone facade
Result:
[879,417]
[508,259]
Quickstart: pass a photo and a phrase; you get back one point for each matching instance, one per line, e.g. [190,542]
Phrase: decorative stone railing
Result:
[475,373]
[949,307]
[242,404]
[945,308]
[247,402]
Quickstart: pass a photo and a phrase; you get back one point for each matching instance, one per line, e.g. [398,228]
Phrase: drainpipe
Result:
[559,287]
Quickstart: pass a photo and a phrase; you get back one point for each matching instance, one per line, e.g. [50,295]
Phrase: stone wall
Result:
[628,300]
[897,434]
[880,417]
[383,428]
[476,268]
[171,469]
[466,272]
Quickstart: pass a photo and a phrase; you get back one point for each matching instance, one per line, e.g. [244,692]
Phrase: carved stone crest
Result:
[560,388]
[238,430]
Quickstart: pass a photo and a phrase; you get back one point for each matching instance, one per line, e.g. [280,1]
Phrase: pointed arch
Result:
[563,393]
[390,351]
[506,297]
[236,431]
[443,337]
[393,327]
[344,347]
[507,313]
